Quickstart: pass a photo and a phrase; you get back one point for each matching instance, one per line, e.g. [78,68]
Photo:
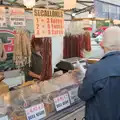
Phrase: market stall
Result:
[46,96]
[50,97]
[53,99]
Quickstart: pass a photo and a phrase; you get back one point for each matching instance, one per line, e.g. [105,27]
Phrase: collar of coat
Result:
[111,54]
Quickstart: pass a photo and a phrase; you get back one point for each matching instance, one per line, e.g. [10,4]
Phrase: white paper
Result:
[17,21]
[62,102]
[36,112]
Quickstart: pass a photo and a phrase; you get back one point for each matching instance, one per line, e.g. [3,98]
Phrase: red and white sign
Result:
[36,112]
[48,23]
[2,17]
[9,47]
[17,11]
[9,36]
[17,17]
[62,102]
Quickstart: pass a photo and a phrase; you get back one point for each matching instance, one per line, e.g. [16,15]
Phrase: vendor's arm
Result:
[34,75]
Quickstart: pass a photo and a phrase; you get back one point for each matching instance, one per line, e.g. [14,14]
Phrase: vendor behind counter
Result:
[35,69]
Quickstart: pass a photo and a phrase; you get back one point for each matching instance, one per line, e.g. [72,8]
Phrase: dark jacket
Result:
[36,66]
[101,89]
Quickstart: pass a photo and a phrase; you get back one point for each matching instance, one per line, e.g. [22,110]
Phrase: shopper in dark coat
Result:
[101,85]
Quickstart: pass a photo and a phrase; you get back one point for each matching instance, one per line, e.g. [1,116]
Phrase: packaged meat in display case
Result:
[3,106]
[18,100]
[42,99]
[63,81]
[47,87]
[48,103]
[68,79]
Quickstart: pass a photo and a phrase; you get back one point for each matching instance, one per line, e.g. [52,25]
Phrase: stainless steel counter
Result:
[75,112]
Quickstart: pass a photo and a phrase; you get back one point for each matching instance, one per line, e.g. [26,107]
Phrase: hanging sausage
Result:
[22,48]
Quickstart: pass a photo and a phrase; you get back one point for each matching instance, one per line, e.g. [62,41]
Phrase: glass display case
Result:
[31,103]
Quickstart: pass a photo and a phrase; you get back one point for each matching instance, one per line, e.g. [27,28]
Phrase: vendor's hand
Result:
[39,77]
[1,78]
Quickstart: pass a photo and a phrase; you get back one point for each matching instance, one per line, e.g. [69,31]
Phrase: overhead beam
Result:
[85,9]
[84,4]
[67,13]
[15,3]
[79,1]
[53,3]
[91,19]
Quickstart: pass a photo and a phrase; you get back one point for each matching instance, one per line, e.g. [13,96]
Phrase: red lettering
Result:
[48,20]
[53,20]
[37,26]
[48,26]
[49,32]
[38,32]
[42,20]
[52,26]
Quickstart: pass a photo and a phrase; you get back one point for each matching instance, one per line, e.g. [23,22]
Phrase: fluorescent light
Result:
[73,14]
[90,15]
[29,3]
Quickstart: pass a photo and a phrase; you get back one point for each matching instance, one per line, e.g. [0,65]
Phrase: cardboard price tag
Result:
[4,118]
[17,21]
[36,112]
[62,102]
[73,93]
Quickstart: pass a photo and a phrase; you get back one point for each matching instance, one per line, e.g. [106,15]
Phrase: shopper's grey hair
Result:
[111,38]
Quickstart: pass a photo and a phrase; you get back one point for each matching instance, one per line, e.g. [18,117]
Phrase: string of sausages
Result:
[22,48]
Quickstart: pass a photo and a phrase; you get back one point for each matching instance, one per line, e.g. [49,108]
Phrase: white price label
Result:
[17,21]
[36,112]
[4,118]
[62,102]
[73,95]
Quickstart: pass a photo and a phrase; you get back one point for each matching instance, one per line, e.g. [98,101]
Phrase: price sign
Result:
[17,17]
[74,95]
[17,21]
[48,23]
[4,118]
[36,112]
[62,102]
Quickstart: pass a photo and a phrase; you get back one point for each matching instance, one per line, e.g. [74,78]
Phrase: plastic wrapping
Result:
[14,104]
